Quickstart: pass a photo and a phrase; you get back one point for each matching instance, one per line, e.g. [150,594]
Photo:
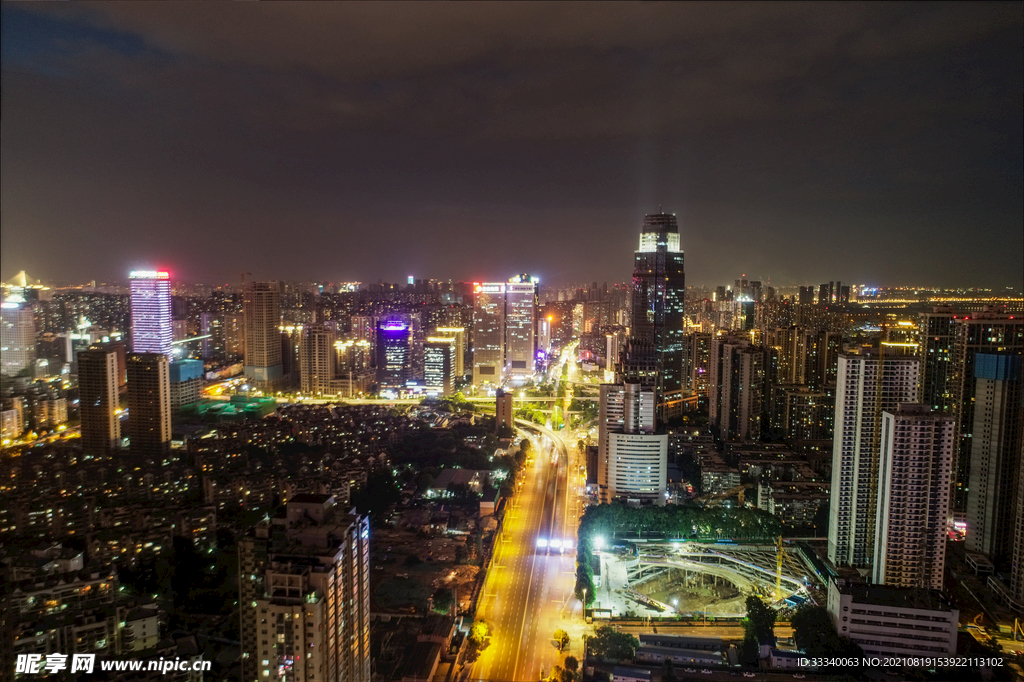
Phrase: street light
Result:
[584,605]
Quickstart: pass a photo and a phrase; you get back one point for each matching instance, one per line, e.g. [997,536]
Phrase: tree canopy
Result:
[610,644]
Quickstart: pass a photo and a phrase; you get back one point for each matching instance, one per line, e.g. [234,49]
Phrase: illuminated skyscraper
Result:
[657,310]
[520,327]
[489,334]
[261,307]
[439,353]
[151,312]
[98,373]
[17,335]
[394,354]
[149,404]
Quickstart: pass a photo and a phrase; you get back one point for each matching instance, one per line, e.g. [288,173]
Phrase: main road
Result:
[528,591]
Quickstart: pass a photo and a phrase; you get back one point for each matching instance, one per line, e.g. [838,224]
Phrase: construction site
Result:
[700,580]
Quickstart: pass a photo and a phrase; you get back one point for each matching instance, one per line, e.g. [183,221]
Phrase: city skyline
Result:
[777,135]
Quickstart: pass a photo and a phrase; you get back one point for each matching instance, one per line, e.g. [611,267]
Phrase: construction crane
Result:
[738,491]
[778,570]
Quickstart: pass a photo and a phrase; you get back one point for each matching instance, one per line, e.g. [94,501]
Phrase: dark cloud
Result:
[366,140]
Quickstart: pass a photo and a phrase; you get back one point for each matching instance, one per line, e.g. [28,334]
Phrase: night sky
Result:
[875,143]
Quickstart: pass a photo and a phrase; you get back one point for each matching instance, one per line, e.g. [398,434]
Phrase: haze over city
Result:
[366,142]
[506,342]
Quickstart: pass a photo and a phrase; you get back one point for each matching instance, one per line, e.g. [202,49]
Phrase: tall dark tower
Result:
[657,312]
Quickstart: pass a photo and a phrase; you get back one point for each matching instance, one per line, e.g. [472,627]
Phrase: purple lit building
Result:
[394,353]
[151,312]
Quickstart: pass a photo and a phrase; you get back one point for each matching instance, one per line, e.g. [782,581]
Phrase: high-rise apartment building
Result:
[394,354]
[151,311]
[868,385]
[261,308]
[913,497]
[149,404]
[632,458]
[317,359]
[736,388]
[304,581]
[657,305]
[700,362]
[995,452]
[98,409]
[935,334]
[439,361]
[520,327]
[489,334]
[987,332]
[17,335]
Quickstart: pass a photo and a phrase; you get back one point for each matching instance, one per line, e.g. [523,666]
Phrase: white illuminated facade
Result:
[520,327]
[632,458]
[152,331]
[17,335]
[439,354]
[489,334]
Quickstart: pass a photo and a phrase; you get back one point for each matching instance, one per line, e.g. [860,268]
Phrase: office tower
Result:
[736,388]
[186,384]
[936,330]
[98,400]
[394,351]
[986,332]
[913,497]
[995,449]
[439,357]
[632,458]
[17,335]
[822,293]
[806,296]
[844,295]
[317,358]
[459,335]
[657,306]
[151,311]
[868,384]
[489,334]
[503,411]
[520,327]
[261,310]
[304,582]
[149,404]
